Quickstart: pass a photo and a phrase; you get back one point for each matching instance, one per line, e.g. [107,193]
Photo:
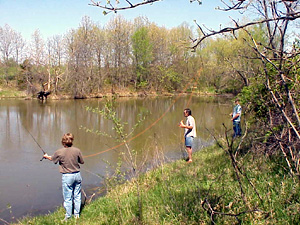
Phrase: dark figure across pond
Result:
[43,95]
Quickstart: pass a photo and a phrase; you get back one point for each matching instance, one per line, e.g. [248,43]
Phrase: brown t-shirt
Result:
[69,159]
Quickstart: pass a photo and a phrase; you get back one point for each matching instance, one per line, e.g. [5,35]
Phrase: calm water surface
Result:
[30,187]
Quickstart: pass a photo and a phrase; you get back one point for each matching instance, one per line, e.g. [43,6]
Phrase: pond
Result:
[29,186]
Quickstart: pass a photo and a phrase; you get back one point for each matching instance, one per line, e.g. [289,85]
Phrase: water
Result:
[31,187]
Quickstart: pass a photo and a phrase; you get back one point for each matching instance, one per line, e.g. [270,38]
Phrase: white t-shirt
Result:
[237,110]
[190,121]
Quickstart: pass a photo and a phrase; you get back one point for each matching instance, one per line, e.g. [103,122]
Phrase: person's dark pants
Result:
[237,129]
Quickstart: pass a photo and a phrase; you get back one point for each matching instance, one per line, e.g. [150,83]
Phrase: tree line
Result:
[123,55]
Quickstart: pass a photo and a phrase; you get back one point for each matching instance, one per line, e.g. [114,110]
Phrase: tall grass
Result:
[203,192]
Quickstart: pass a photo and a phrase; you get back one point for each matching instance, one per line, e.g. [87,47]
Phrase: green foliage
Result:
[142,46]
[142,85]
[170,79]
[255,96]
[8,71]
[142,53]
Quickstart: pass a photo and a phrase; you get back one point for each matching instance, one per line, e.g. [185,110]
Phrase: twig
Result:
[4,221]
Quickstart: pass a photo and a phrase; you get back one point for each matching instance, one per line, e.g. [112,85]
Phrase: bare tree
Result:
[11,47]
[6,42]
[55,54]
[11,44]
[80,45]
[99,55]
[37,48]
[38,58]
[19,45]
[119,31]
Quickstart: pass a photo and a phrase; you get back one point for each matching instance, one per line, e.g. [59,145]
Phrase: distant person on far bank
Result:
[69,158]
[189,132]
[236,118]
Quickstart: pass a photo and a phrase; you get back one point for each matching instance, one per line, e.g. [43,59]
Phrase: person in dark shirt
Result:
[69,158]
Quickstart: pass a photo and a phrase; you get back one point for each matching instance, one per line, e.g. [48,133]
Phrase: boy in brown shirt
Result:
[69,159]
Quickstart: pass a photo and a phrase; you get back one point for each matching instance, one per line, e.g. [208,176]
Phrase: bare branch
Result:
[110,7]
[279,105]
[237,6]
[239,27]
[199,27]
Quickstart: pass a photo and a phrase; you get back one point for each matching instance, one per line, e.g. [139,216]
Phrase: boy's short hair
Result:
[67,140]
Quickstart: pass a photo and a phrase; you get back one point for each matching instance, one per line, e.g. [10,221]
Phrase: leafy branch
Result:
[109,112]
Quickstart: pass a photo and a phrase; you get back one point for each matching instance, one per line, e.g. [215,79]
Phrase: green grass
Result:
[181,193]
[11,93]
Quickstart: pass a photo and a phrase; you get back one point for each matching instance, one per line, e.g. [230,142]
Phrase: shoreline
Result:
[119,94]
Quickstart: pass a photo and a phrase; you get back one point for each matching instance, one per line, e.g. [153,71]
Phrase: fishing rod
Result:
[36,142]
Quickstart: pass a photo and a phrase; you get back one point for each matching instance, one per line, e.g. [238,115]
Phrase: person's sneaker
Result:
[76,216]
[189,161]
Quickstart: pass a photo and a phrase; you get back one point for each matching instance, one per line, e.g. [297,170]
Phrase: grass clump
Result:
[203,192]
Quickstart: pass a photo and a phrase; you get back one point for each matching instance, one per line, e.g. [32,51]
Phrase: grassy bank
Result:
[11,93]
[196,193]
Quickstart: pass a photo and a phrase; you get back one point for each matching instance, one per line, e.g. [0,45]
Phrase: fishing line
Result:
[154,123]
[35,141]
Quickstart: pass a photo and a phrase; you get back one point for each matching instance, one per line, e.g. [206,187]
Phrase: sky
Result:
[57,17]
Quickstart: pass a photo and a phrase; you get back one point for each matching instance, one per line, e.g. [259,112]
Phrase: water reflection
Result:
[26,183]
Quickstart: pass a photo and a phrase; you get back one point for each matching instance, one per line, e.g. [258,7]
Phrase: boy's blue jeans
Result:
[71,186]
[237,129]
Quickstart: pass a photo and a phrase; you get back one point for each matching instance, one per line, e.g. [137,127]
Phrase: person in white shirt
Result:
[189,132]
[236,118]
